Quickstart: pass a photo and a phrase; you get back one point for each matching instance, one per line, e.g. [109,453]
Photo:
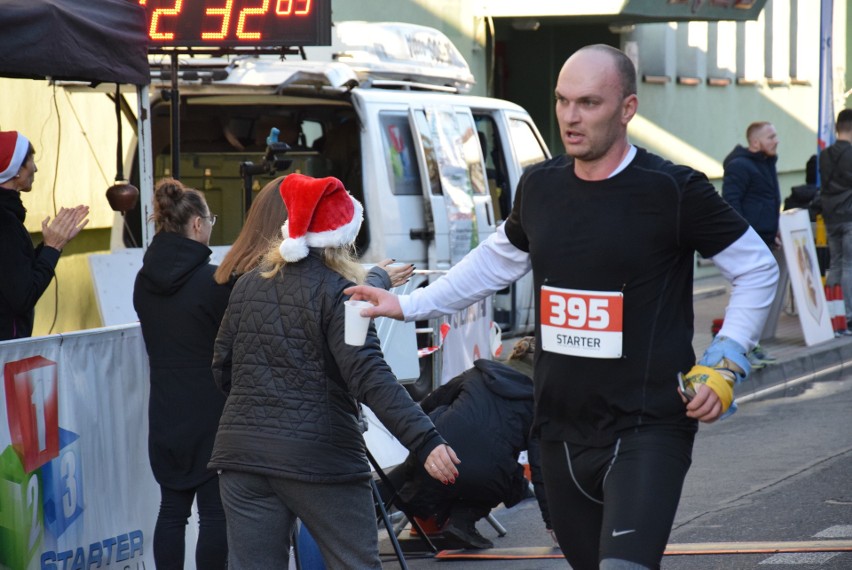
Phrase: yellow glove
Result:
[720,380]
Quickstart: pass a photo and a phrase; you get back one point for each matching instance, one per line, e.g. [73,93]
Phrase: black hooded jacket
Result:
[486,415]
[26,270]
[180,307]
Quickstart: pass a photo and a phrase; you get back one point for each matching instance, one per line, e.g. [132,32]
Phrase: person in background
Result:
[610,232]
[180,307]
[486,415]
[26,270]
[835,170]
[290,442]
[805,195]
[262,227]
[750,186]
[750,183]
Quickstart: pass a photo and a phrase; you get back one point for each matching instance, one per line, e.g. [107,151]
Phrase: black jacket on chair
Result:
[486,414]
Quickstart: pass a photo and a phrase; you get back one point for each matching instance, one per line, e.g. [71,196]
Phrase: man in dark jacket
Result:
[750,186]
[835,169]
[26,270]
[485,414]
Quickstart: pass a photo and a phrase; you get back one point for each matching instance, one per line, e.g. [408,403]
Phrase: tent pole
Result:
[174,98]
[146,164]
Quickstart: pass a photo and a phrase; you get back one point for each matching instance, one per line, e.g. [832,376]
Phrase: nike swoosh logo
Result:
[620,532]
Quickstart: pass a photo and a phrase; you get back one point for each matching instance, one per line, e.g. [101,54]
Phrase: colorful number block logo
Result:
[62,480]
[41,474]
[21,512]
[31,404]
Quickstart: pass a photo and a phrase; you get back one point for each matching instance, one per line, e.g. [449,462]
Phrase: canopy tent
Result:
[95,41]
[99,41]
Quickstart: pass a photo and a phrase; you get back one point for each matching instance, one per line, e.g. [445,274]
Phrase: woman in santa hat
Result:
[290,442]
[26,270]
[263,226]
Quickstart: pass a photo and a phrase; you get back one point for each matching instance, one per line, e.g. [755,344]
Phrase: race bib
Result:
[582,323]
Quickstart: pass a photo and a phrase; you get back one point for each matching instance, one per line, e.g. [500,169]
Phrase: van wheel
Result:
[420,388]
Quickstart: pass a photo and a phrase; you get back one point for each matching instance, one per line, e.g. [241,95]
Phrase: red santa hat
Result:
[13,152]
[320,213]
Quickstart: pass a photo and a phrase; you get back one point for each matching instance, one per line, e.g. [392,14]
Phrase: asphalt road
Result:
[778,473]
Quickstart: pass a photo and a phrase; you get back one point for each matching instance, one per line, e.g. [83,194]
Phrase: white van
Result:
[435,169]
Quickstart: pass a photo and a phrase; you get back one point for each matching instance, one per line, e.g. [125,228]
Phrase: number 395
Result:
[579,312]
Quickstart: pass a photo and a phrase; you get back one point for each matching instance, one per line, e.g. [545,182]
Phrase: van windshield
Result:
[216,140]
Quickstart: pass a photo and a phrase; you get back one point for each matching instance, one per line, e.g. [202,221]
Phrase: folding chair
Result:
[394,501]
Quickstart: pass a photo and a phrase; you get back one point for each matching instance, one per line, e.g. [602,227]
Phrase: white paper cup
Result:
[356,326]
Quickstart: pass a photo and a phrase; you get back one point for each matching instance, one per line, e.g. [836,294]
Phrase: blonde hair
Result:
[341,260]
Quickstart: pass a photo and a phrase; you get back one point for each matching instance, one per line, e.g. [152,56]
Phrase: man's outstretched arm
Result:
[491,266]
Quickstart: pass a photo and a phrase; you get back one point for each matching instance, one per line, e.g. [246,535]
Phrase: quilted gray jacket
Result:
[293,385]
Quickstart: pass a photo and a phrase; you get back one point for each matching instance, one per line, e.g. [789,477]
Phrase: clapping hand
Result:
[64,227]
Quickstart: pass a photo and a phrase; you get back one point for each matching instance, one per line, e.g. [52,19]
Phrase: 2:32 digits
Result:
[222,14]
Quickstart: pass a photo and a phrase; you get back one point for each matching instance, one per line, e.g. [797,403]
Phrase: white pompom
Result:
[293,249]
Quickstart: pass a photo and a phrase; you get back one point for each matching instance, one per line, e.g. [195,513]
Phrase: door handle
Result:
[421,234]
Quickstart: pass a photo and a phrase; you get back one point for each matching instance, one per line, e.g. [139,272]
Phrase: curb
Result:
[785,378]
[707,292]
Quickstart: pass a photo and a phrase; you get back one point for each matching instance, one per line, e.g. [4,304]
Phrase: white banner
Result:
[466,337]
[76,488]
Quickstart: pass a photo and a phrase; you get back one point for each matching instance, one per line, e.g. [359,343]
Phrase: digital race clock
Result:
[234,23]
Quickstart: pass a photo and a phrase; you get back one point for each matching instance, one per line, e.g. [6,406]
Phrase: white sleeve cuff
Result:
[750,267]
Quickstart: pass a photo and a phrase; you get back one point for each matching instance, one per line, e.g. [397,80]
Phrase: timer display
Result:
[233,23]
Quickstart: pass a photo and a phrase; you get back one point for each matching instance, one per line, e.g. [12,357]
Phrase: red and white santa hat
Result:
[13,151]
[320,213]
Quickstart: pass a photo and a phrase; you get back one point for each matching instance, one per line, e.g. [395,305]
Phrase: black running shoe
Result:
[464,533]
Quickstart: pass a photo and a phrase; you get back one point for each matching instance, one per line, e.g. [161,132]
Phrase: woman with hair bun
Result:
[180,307]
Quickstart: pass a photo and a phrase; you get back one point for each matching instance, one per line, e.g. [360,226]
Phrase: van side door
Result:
[458,207]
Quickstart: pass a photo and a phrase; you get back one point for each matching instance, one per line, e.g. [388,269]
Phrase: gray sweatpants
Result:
[260,512]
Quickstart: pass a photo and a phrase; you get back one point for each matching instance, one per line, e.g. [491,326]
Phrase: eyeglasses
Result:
[212,218]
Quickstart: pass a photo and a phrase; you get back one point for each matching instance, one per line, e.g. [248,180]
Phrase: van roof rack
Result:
[400,53]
